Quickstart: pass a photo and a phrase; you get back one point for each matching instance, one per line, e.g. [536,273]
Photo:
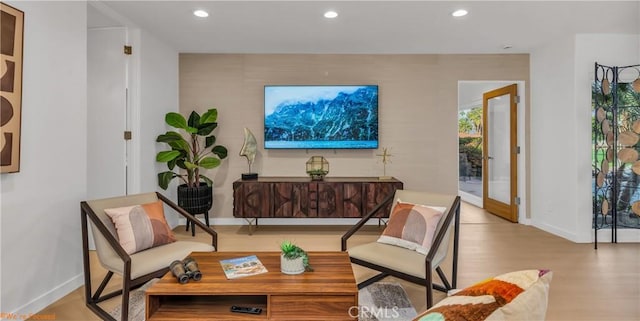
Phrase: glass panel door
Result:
[498,153]
[500,148]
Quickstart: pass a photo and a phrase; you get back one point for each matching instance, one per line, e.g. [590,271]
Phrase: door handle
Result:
[489,157]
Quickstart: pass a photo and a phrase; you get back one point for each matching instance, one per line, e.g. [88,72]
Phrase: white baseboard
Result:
[44,300]
[524,221]
[624,236]
[471,199]
[559,232]
[604,235]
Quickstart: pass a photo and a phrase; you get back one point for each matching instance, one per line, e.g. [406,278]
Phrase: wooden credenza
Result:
[300,197]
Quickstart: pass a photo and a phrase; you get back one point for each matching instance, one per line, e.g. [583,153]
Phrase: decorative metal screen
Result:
[616,135]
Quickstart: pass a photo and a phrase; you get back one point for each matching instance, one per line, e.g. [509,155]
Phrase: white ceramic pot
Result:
[288,266]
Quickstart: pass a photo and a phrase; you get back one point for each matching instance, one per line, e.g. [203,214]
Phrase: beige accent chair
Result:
[391,260]
[135,269]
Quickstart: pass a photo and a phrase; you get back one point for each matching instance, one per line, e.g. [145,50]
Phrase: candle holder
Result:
[317,167]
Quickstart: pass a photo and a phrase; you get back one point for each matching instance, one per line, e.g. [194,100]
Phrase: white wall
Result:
[561,76]
[158,96]
[553,127]
[40,239]
[41,244]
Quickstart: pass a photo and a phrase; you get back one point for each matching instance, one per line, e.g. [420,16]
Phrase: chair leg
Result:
[125,305]
[372,280]
[443,278]
[126,289]
[206,217]
[104,283]
[429,285]
[456,239]
[193,228]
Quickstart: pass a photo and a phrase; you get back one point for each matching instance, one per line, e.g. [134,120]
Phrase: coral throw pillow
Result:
[515,296]
[141,227]
[412,226]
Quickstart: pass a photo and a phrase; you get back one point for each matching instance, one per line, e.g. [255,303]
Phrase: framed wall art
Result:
[11,45]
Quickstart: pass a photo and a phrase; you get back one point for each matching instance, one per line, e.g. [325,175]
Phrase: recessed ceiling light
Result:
[201,13]
[459,13]
[330,14]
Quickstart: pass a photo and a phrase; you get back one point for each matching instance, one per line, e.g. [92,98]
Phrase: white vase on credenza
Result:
[291,266]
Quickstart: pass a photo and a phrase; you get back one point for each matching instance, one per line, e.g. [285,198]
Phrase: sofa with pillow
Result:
[133,240]
[514,296]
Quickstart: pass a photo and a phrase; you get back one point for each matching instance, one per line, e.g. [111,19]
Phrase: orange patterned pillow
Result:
[514,296]
[140,227]
[412,226]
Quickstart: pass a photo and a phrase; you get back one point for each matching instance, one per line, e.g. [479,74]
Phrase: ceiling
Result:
[366,26]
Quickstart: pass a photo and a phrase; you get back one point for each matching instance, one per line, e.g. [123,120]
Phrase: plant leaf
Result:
[172,163]
[190,165]
[286,246]
[168,137]
[210,116]
[176,120]
[220,150]
[180,163]
[291,251]
[206,129]
[209,162]
[194,120]
[165,178]
[206,180]
[209,141]
[180,145]
[166,156]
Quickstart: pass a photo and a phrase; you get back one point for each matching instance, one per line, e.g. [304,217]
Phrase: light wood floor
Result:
[587,284]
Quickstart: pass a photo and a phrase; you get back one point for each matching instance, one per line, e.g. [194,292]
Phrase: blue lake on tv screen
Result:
[321,116]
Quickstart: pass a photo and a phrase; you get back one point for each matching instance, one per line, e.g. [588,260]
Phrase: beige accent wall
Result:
[417,110]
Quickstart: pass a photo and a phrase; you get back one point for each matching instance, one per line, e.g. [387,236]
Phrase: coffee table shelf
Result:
[205,307]
[328,293]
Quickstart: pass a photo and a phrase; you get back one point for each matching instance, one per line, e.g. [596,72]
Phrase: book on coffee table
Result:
[242,266]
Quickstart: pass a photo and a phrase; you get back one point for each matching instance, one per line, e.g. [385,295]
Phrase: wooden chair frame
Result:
[453,213]
[92,299]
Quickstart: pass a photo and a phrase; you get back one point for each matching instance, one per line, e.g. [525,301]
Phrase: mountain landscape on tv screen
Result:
[347,117]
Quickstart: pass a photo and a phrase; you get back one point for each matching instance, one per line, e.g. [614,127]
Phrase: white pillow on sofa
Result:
[515,296]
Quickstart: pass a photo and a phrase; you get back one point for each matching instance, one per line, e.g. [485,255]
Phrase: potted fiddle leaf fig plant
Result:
[293,259]
[188,156]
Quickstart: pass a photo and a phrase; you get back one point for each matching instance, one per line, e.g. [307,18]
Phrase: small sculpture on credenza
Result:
[386,158]
[248,150]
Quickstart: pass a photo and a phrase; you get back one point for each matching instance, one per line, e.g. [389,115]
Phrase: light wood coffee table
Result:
[327,293]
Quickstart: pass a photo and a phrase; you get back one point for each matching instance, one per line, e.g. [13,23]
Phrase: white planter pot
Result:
[295,266]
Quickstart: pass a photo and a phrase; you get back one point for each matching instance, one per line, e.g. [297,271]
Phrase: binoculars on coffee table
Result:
[185,270]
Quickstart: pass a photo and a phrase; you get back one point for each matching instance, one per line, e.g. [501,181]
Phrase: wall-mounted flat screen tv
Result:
[321,116]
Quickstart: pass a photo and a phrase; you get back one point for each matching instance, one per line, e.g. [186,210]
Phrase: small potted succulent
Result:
[294,260]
